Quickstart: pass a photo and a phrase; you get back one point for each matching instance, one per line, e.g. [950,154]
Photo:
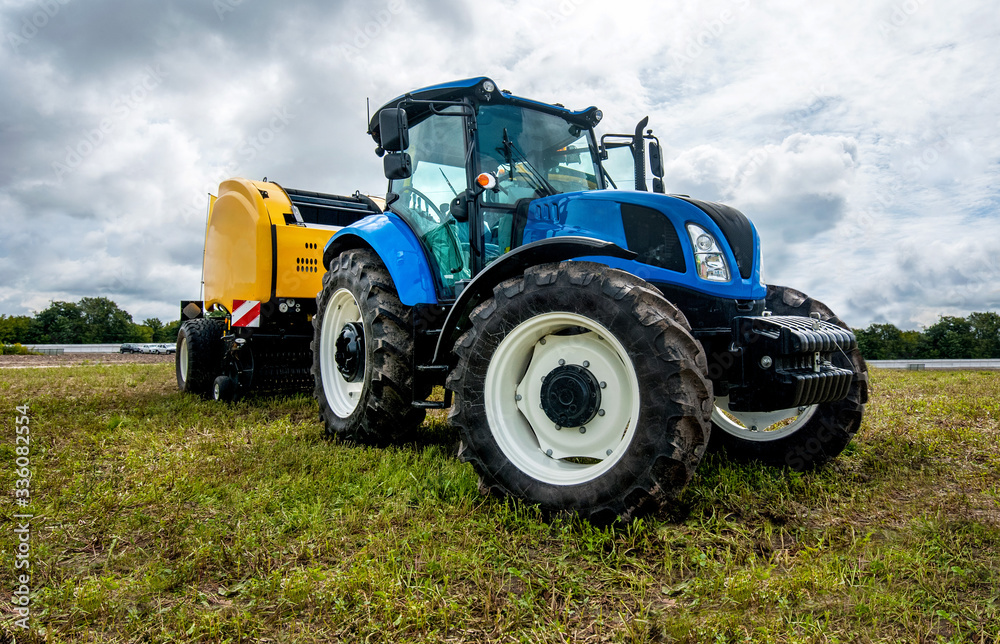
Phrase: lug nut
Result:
[586,363]
[583,430]
[766,362]
[561,362]
[604,385]
[608,452]
[558,427]
[548,452]
[542,341]
[517,397]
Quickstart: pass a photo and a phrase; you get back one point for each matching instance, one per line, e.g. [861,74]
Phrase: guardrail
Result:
[79,348]
[914,364]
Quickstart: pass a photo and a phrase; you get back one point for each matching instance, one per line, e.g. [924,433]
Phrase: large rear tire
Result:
[199,355]
[579,389]
[364,384]
[800,438]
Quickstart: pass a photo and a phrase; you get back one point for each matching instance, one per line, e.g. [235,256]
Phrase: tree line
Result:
[974,337]
[92,320]
[98,320]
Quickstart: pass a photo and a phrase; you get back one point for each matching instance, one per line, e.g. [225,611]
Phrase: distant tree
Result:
[154,325]
[15,329]
[986,331]
[880,342]
[910,344]
[169,332]
[949,337]
[104,321]
[141,333]
[60,323]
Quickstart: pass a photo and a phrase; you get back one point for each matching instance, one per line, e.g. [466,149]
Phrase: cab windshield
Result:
[533,154]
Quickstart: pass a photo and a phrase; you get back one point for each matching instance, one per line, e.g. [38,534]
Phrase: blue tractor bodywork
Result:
[389,236]
[598,214]
[529,176]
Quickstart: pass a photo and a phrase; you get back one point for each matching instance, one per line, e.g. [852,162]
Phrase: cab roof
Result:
[475,88]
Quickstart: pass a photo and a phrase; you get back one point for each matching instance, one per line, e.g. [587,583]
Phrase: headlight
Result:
[708,258]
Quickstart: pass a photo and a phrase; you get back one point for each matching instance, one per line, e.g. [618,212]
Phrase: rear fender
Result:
[555,249]
[398,248]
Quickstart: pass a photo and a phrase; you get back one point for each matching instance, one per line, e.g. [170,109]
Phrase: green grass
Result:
[164,518]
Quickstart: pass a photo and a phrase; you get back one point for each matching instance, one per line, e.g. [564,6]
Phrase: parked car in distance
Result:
[158,348]
[130,347]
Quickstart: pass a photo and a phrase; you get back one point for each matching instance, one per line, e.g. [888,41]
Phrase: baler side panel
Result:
[300,261]
[238,254]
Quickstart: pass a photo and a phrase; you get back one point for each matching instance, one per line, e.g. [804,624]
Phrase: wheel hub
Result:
[350,352]
[570,396]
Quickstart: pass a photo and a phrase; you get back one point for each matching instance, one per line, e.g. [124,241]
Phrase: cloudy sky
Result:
[860,136]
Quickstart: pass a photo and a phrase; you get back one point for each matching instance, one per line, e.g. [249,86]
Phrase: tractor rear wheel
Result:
[579,389]
[199,355]
[800,438]
[363,353]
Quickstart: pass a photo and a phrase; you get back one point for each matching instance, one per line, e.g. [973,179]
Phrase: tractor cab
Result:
[466,157]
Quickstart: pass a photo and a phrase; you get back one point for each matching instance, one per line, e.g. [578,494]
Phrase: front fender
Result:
[554,249]
[400,250]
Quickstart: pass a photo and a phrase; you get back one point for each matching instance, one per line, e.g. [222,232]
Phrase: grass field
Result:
[160,517]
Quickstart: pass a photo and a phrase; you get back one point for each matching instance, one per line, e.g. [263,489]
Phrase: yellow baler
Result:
[262,269]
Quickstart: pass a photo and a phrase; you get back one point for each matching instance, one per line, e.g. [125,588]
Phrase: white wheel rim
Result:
[184,359]
[342,396]
[522,430]
[760,426]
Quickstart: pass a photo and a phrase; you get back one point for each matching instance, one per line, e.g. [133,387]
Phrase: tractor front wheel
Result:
[579,390]
[363,352]
[804,437]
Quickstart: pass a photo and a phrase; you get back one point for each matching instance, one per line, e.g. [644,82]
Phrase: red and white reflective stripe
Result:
[246,313]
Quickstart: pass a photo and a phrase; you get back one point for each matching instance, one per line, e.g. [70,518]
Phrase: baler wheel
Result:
[198,359]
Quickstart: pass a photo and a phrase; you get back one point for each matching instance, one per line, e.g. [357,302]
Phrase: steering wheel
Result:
[421,204]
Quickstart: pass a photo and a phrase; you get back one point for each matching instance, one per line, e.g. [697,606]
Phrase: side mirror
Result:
[655,159]
[658,186]
[459,207]
[393,132]
[397,166]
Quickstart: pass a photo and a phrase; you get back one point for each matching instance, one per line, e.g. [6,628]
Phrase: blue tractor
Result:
[596,341]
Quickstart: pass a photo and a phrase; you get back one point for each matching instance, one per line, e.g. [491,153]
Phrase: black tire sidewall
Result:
[384,411]
[831,427]
[203,337]
[343,278]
